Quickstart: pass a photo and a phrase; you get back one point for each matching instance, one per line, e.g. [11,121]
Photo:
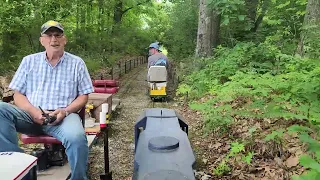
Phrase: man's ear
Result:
[41,41]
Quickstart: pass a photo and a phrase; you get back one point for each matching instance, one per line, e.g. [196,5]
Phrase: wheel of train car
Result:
[165,99]
[33,173]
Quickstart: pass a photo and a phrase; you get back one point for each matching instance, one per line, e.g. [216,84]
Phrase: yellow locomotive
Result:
[157,83]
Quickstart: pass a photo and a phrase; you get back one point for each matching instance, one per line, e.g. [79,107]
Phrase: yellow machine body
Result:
[158,92]
[157,82]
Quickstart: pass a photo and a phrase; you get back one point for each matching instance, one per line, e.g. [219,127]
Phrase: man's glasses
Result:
[51,35]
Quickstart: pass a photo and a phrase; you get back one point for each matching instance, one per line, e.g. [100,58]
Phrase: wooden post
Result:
[125,67]
[107,175]
[119,66]
[112,73]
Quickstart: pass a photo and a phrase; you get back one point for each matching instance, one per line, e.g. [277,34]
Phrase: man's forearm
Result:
[77,104]
[22,102]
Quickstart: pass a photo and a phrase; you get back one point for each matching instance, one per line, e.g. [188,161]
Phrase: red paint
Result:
[107,90]
[105,83]
[25,169]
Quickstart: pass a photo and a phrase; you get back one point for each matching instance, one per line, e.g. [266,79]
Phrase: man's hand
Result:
[22,102]
[37,116]
[60,114]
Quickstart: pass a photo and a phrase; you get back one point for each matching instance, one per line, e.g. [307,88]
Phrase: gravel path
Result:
[134,100]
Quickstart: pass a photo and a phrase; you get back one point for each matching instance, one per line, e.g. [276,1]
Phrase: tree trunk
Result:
[251,6]
[118,12]
[30,41]
[203,48]
[83,17]
[77,15]
[309,44]
[257,22]
[215,29]
[7,50]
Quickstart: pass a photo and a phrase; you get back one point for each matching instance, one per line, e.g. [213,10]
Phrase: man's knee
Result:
[71,132]
[76,135]
[6,110]
[4,106]
[76,141]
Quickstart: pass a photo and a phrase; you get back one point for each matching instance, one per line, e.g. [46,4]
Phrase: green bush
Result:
[257,81]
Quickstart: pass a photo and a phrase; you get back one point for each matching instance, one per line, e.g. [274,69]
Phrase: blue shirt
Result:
[52,87]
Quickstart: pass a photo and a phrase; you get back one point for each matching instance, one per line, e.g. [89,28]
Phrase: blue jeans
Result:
[70,132]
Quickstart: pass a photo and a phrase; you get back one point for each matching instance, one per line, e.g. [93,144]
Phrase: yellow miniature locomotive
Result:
[157,82]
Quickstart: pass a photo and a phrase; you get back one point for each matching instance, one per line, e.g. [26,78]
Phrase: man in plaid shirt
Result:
[59,83]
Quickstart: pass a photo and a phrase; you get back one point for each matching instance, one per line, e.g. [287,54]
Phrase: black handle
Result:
[49,119]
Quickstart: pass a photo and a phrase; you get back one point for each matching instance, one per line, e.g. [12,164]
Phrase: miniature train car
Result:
[17,166]
[162,147]
[157,82]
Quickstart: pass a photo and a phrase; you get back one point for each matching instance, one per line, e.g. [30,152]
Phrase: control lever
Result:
[49,119]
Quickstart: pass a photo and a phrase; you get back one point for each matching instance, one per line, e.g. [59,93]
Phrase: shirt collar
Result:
[60,60]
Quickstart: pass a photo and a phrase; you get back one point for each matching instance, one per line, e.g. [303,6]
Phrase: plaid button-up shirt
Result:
[52,87]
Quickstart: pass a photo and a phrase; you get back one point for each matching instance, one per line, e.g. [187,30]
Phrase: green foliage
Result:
[228,9]
[311,164]
[248,157]
[90,27]
[310,161]
[222,169]
[184,89]
[255,74]
[311,37]
[236,150]
[180,35]
[275,136]
[299,129]
[258,81]
[252,130]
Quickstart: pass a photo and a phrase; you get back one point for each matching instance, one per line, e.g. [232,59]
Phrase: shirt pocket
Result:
[34,81]
[67,89]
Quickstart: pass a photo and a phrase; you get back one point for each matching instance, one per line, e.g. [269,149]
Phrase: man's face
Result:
[151,51]
[53,40]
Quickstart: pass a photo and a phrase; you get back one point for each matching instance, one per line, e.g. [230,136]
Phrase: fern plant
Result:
[236,149]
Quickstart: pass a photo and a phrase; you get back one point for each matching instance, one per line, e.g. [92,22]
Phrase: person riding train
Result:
[59,83]
[157,58]
[157,76]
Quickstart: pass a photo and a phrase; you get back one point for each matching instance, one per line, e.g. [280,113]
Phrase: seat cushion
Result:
[157,74]
[43,139]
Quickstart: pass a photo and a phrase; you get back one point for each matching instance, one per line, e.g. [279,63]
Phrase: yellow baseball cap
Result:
[50,24]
